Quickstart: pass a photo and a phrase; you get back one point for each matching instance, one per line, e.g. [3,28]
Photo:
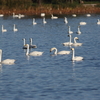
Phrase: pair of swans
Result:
[30,46]
[3,30]
[34,53]
[53,17]
[75,58]
[60,53]
[70,42]
[6,61]
[18,16]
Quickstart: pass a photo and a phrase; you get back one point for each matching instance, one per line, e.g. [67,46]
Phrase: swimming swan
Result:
[34,53]
[3,30]
[98,22]
[53,17]
[88,15]
[31,45]
[65,20]
[44,21]
[75,58]
[75,43]
[6,61]
[74,15]
[78,32]
[82,23]
[69,30]
[61,52]
[24,45]
[68,43]
[34,23]
[15,29]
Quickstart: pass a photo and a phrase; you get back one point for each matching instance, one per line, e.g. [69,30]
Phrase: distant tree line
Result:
[25,4]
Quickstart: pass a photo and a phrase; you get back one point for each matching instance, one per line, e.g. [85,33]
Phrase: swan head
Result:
[72,49]
[52,49]
[76,38]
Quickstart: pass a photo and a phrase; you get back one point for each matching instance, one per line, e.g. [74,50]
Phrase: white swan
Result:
[44,21]
[34,53]
[88,15]
[68,43]
[53,17]
[6,61]
[78,32]
[1,15]
[65,20]
[61,52]
[3,30]
[31,45]
[75,58]
[69,30]
[34,23]
[75,43]
[14,28]
[15,15]
[98,22]
[74,15]
[82,23]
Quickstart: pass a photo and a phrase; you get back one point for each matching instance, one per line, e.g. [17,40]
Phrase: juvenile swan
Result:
[34,53]
[61,52]
[31,45]
[6,61]
[75,43]
[75,58]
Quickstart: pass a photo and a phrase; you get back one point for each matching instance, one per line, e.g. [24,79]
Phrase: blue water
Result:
[49,77]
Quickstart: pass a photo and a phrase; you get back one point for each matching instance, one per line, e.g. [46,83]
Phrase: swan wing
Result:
[36,53]
[78,58]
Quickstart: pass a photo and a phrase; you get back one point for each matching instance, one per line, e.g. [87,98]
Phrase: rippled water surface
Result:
[49,77]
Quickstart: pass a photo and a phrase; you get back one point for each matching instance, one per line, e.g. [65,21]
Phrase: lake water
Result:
[49,77]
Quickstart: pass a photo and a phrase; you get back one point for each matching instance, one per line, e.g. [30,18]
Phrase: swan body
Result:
[75,58]
[44,21]
[6,61]
[82,23]
[74,15]
[65,20]
[42,14]
[88,15]
[34,53]
[75,43]
[69,30]
[34,23]
[15,15]
[1,15]
[78,32]
[68,43]
[61,52]
[98,22]
[14,28]
[54,17]
[31,45]
[3,30]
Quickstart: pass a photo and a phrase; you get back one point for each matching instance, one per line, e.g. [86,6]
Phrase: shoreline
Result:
[66,11]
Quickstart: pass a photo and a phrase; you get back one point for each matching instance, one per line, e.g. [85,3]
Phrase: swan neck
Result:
[27,52]
[70,38]
[0,55]
[73,54]
[75,40]
[30,41]
[24,41]
[55,51]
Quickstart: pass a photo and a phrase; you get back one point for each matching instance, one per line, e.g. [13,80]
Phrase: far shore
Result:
[66,11]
